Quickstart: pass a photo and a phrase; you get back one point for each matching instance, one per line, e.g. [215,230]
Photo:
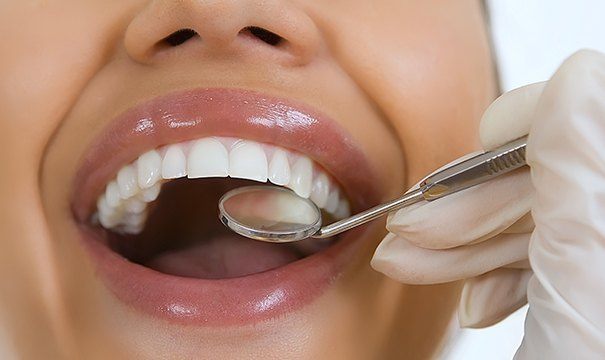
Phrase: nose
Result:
[274,29]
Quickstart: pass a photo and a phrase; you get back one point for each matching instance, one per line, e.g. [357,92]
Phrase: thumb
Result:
[566,152]
[510,116]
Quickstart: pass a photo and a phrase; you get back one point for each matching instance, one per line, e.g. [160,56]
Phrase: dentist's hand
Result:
[486,235]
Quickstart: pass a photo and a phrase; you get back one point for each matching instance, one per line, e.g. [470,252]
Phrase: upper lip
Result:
[191,114]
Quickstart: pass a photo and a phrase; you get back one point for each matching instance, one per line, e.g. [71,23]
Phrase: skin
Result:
[408,79]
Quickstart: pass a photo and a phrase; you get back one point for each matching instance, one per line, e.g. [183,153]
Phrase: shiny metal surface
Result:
[269,213]
[459,176]
[476,170]
[369,215]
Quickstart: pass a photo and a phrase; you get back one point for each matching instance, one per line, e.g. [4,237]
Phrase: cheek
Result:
[428,69]
[52,49]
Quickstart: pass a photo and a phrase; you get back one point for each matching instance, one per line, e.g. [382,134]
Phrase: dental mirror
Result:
[276,214]
[269,213]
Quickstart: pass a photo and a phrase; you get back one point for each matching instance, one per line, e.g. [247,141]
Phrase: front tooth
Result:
[174,164]
[332,203]
[302,175]
[320,190]
[149,195]
[127,182]
[149,167]
[247,160]
[112,194]
[207,158]
[279,168]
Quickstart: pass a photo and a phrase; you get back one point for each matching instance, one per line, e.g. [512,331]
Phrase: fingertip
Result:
[583,61]
[383,260]
[391,259]
[510,116]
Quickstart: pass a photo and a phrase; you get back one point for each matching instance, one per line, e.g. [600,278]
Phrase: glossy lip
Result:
[197,113]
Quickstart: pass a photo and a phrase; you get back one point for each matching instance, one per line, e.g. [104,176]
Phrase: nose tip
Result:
[274,28]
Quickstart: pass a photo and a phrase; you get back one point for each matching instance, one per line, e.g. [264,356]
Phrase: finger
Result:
[525,225]
[469,216]
[522,226]
[407,263]
[520,265]
[510,116]
[489,298]
[566,151]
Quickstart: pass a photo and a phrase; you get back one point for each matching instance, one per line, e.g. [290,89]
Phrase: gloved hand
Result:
[486,235]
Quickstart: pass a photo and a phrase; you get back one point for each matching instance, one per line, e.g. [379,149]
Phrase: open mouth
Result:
[178,186]
[146,201]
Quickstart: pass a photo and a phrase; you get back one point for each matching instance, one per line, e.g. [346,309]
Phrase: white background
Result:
[531,39]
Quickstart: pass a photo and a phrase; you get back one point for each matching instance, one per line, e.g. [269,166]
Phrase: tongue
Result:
[221,257]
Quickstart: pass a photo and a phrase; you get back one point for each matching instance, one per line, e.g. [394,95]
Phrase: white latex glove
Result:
[483,234]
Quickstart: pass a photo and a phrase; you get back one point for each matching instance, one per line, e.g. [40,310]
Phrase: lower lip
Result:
[236,301]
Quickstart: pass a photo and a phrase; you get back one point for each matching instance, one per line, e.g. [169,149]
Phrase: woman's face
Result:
[375,94]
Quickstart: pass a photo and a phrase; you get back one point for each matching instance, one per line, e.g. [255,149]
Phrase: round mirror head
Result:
[269,213]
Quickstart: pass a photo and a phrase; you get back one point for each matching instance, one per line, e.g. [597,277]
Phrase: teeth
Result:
[332,203]
[149,195]
[247,160]
[127,182]
[135,220]
[320,190]
[108,220]
[174,164]
[149,167]
[342,211]
[108,216]
[279,168]
[135,206]
[302,177]
[132,229]
[133,223]
[123,205]
[102,205]
[207,158]
[112,194]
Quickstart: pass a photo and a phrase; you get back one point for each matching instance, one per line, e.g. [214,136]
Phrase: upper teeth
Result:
[123,205]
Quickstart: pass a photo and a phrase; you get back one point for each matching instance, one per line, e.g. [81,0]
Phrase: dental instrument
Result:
[278,215]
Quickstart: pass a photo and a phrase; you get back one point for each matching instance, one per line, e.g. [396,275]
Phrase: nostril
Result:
[179,37]
[264,35]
